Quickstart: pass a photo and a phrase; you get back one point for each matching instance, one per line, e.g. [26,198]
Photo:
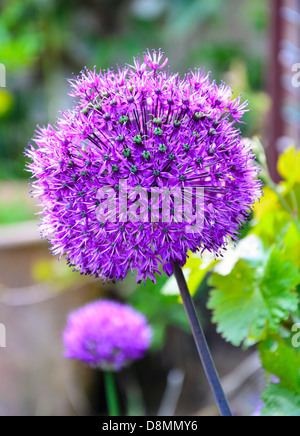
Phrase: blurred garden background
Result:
[251,45]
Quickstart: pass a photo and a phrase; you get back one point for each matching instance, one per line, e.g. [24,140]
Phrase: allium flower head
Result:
[153,130]
[106,335]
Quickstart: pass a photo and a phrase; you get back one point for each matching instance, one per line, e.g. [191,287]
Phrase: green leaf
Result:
[280,401]
[250,302]
[231,300]
[279,279]
[284,362]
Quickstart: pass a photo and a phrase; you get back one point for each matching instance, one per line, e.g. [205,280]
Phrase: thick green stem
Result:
[111,394]
[201,343]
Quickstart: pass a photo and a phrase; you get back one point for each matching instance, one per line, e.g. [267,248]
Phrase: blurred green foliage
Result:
[15,203]
[15,211]
[160,309]
[280,401]
[44,41]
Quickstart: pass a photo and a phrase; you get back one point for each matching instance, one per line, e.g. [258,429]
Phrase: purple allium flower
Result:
[153,129]
[106,335]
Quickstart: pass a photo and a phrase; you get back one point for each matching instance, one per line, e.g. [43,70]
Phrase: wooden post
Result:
[276,124]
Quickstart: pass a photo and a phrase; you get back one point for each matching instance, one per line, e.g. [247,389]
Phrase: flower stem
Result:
[111,394]
[201,343]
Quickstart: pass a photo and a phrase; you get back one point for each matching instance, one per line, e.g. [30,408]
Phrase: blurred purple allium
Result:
[153,129]
[106,335]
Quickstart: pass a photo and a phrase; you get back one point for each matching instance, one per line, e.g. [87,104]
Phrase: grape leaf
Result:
[248,303]
[231,300]
[280,401]
[279,279]
[283,362]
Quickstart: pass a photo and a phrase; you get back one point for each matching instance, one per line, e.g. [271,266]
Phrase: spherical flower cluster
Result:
[106,335]
[152,129]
